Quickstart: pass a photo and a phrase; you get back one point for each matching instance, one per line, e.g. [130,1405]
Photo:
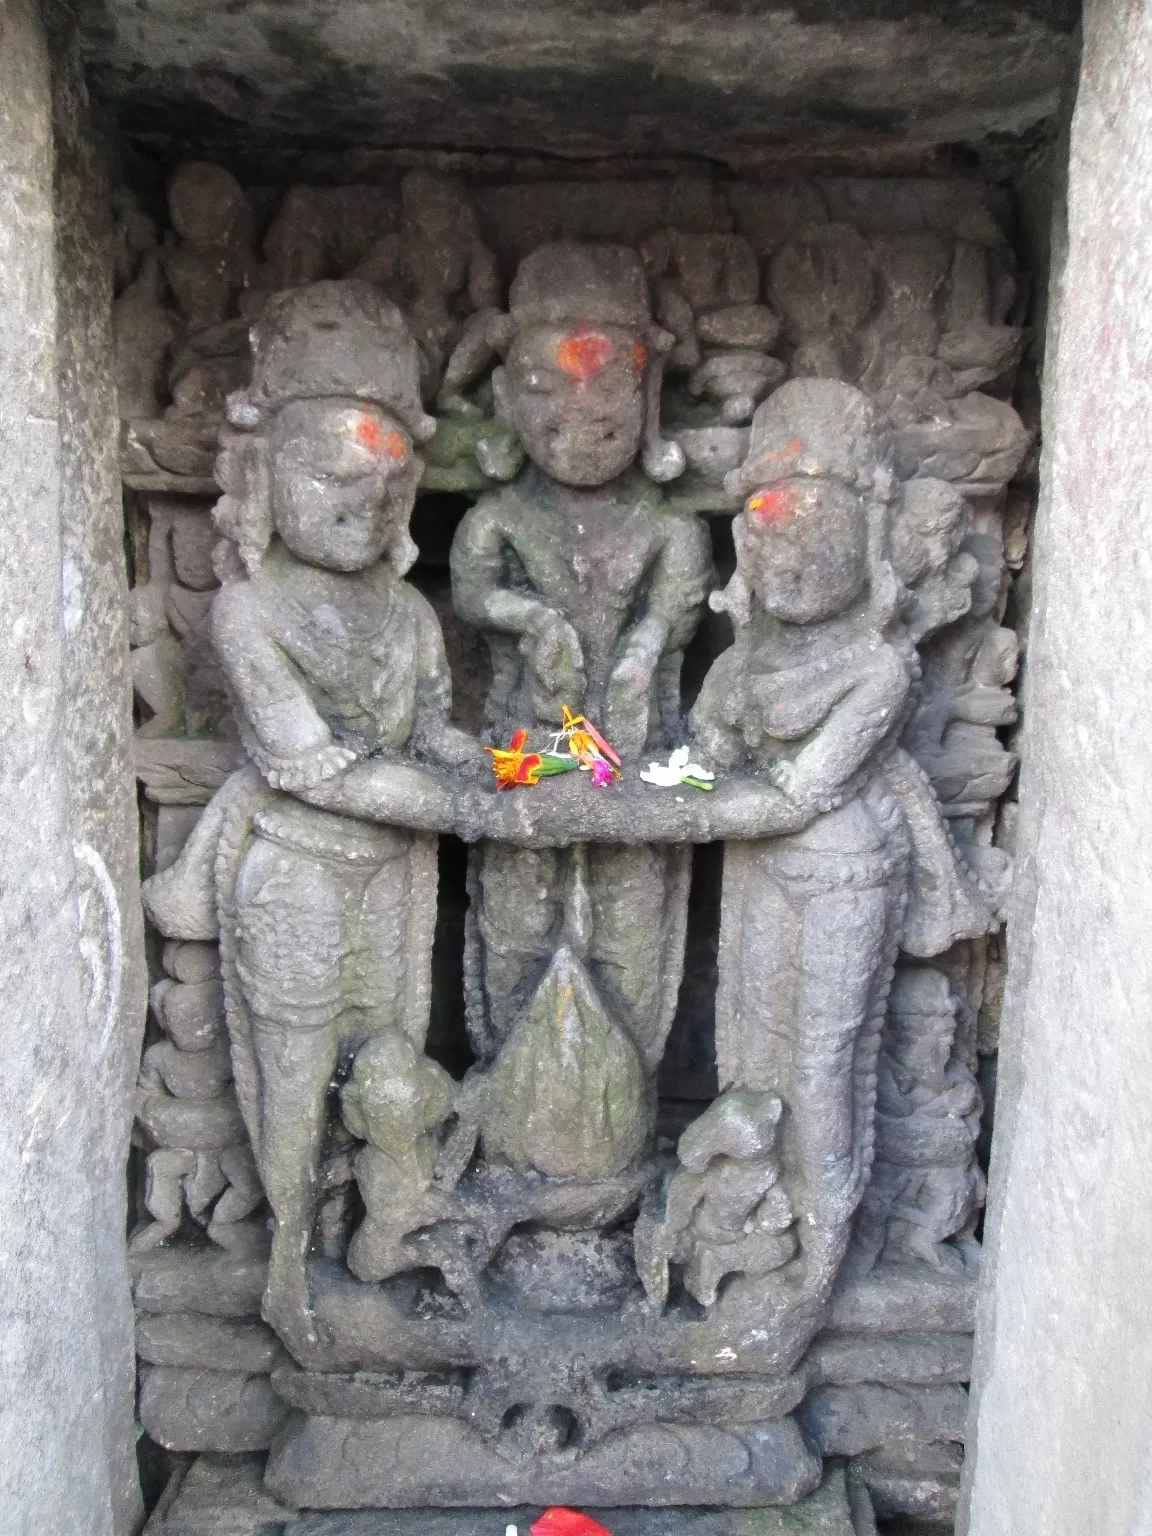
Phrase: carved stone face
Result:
[803,548]
[922,1044]
[576,398]
[343,481]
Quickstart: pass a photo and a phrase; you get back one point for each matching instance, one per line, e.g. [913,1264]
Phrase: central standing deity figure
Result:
[588,586]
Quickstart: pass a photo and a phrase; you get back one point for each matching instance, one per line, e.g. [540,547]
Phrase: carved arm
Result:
[280,727]
[849,734]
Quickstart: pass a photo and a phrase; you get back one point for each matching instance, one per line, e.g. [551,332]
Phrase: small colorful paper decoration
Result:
[594,753]
[678,770]
[577,744]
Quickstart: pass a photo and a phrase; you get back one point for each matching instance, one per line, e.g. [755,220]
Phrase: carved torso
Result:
[359,651]
[601,559]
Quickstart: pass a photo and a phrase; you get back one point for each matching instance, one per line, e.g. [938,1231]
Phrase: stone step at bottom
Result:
[225,1496]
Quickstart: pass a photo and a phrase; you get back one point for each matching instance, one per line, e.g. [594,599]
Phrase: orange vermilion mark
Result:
[639,357]
[789,451]
[772,507]
[583,354]
[566,1522]
[372,435]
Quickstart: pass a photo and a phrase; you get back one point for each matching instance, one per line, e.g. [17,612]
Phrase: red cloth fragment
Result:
[559,1521]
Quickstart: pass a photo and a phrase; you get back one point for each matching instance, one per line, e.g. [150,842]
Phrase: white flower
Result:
[677,770]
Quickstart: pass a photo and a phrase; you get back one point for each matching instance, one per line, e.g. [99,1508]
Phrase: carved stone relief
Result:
[542,1279]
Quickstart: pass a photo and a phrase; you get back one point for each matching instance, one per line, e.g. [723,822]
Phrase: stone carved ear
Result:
[244,512]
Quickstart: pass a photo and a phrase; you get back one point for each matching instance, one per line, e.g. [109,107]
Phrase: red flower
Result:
[515,766]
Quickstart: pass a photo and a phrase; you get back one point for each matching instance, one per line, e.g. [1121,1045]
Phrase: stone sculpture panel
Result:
[537,1278]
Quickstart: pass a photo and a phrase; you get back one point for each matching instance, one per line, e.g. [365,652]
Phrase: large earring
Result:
[662,460]
[402,553]
[886,592]
[244,512]
[736,598]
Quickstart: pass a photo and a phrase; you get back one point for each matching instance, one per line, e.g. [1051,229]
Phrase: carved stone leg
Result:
[515,911]
[809,931]
[296,1066]
[334,922]
[636,955]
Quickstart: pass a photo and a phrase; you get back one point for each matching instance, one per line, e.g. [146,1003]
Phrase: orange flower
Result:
[515,766]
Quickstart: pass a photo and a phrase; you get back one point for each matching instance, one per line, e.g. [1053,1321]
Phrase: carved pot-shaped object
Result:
[566,1094]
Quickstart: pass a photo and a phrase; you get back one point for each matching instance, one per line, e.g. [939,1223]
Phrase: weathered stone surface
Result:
[917,1359]
[200,1124]
[832,1510]
[195,1410]
[846,1421]
[589,82]
[409,1462]
[1063,1322]
[193,1340]
[914,1479]
[218,1284]
[905,1298]
[70,951]
[218,1496]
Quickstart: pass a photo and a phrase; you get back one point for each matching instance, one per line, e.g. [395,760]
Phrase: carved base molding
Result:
[222,1497]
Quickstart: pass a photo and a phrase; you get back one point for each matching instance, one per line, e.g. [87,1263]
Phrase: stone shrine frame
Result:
[649,1248]
[588,104]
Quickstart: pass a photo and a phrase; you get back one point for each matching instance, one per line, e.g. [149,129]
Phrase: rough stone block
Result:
[220,1284]
[207,1343]
[218,1496]
[847,1421]
[913,1479]
[834,1509]
[916,1359]
[191,1410]
[409,1462]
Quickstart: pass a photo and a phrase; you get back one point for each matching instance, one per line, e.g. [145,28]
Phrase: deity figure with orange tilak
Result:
[325,922]
[588,586]
[812,699]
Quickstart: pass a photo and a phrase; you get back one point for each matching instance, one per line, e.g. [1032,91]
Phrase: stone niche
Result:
[513,1129]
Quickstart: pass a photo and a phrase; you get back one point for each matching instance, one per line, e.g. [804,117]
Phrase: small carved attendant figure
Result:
[723,1212]
[926,1184]
[815,691]
[395,1100]
[325,922]
[588,587]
